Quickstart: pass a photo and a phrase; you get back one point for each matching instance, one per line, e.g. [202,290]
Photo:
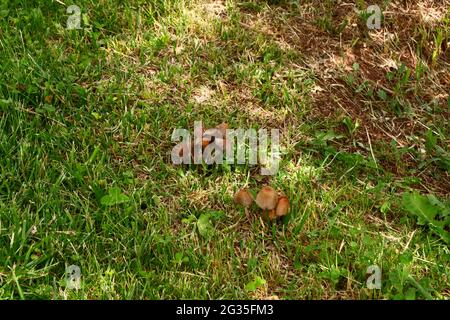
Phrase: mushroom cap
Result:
[223,128]
[217,133]
[267,198]
[243,197]
[283,206]
[205,142]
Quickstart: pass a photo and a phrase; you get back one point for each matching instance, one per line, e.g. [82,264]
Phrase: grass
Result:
[89,113]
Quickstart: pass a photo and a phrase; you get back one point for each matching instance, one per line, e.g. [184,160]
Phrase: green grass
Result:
[84,112]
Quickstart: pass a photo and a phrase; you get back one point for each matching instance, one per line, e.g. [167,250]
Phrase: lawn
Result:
[86,177]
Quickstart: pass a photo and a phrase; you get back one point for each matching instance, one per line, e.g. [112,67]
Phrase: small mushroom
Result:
[205,142]
[223,129]
[244,198]
[283,206]
[206,138]
[267,199]
[210,135]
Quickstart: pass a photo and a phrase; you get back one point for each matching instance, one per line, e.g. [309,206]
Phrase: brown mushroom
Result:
[283,206]
[206,138]
[244,198]
[223,129]
[267,199]
[205,142]
[217,133]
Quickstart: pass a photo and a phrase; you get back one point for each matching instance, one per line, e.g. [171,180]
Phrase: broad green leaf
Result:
[420,206]
[259,282]
[191,218]
[180,258]
[204,226]
[255,284]
[251,286]
[427,210]
[114,197]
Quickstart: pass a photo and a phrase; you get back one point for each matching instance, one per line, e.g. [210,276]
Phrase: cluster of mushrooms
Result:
[276,205]
[273,205]
[214,135]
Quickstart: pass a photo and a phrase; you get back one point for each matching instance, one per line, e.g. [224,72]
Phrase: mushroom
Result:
[267,199]
[283,206]
[217,133]
[205,142]
[244,198]
[206,138]
[223,129]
